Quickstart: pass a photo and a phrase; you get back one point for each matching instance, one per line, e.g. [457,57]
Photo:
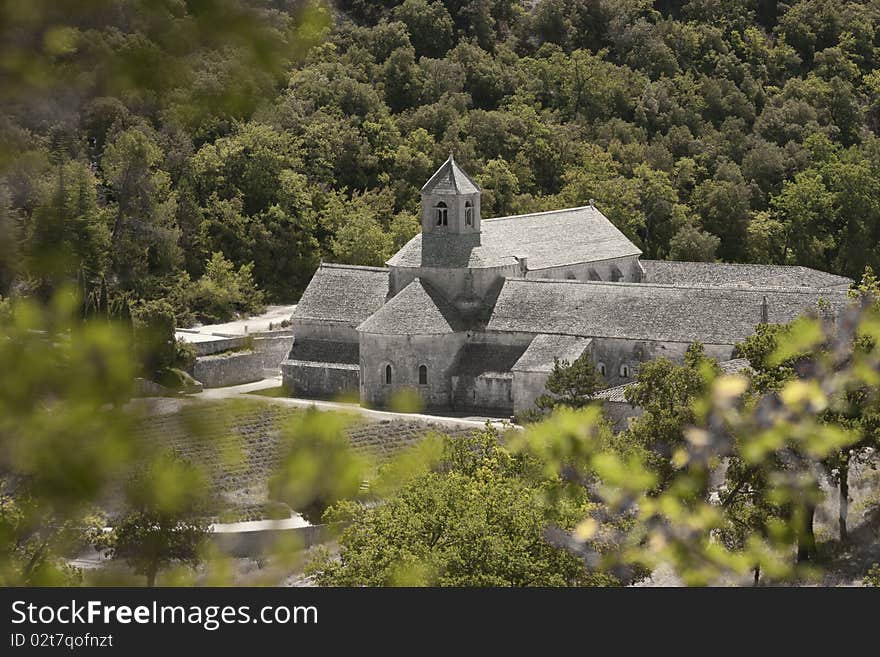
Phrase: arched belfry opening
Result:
[451,203]
[442,214]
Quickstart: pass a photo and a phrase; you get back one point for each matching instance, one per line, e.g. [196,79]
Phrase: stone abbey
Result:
[472,311]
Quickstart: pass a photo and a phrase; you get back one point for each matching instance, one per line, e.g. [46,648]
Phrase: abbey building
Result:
[472,311]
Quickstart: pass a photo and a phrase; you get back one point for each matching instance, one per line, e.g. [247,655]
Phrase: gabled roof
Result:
[544,348]
[418,309]
[343,293]
[450,179]
[648,312]
[721,274]
[547,239]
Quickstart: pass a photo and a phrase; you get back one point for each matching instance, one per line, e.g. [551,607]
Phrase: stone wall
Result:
[405,354]
[221,370]
[526,388]
[619,413]
[327,380]
[614,353]
[218,344]
[603,270]
[261,361]
[489,391]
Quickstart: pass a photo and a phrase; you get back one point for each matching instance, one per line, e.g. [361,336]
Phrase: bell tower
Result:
[451,203]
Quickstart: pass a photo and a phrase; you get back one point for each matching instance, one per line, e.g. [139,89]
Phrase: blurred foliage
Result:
[318,467]
[468,518]
[166,523]
[175,161]
[772,443]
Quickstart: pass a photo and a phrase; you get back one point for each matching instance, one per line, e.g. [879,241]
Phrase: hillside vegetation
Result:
[156,151]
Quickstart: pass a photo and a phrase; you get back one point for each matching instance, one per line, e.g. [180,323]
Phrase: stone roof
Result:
[718,274]
[418,309]
[477,358]
[735,366]
[615,394]
[538,357]
[618,393]
[343,293]
[547,239]
[325,351]
[450,179]
[648,312]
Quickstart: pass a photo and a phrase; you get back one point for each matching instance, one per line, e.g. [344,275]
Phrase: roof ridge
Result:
[766,288]
[340,265]
[544,212]
[749,264]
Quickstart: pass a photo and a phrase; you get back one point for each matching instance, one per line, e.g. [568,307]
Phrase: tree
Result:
[570,384]
[143,238]
[164,524]
[153,324]
[429,25]
[473,520]
[691,244]
[666,393]
[224,293]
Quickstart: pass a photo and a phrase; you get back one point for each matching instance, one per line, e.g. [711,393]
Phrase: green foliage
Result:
[154,341]
[774,442]
[872,578]
[570,384]
[64,440]
[224,293]
[667,394]
[318,467]
[471,520]
[163,524]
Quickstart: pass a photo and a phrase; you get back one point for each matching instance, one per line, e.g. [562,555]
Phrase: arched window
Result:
[442,217]
[601,368]
[388,375]
[423,375]
[624,371]
[468,213]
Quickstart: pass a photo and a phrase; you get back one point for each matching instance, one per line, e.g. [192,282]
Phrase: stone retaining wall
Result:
[263,360]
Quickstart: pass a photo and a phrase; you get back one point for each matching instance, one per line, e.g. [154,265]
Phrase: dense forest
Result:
[210,154]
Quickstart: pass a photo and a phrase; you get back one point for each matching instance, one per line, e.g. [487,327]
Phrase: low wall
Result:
[232,369]
[261,361]
[218,345]
[310,379]
[255,543]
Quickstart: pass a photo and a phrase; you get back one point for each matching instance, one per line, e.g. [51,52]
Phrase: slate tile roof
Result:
[418,309]
[538,357]
[478,358]
[450,179]
[343,293]
[719,274]
[547,239]
[648,312]
[325,351]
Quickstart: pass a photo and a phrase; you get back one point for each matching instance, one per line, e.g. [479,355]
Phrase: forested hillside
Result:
[195,152]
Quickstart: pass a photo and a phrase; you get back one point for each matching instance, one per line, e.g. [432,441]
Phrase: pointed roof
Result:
[417,310]
[450,179]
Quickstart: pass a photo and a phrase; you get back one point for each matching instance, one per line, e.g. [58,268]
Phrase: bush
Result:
[224,293]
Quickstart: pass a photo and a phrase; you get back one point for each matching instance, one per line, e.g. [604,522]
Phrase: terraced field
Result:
[239,443]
